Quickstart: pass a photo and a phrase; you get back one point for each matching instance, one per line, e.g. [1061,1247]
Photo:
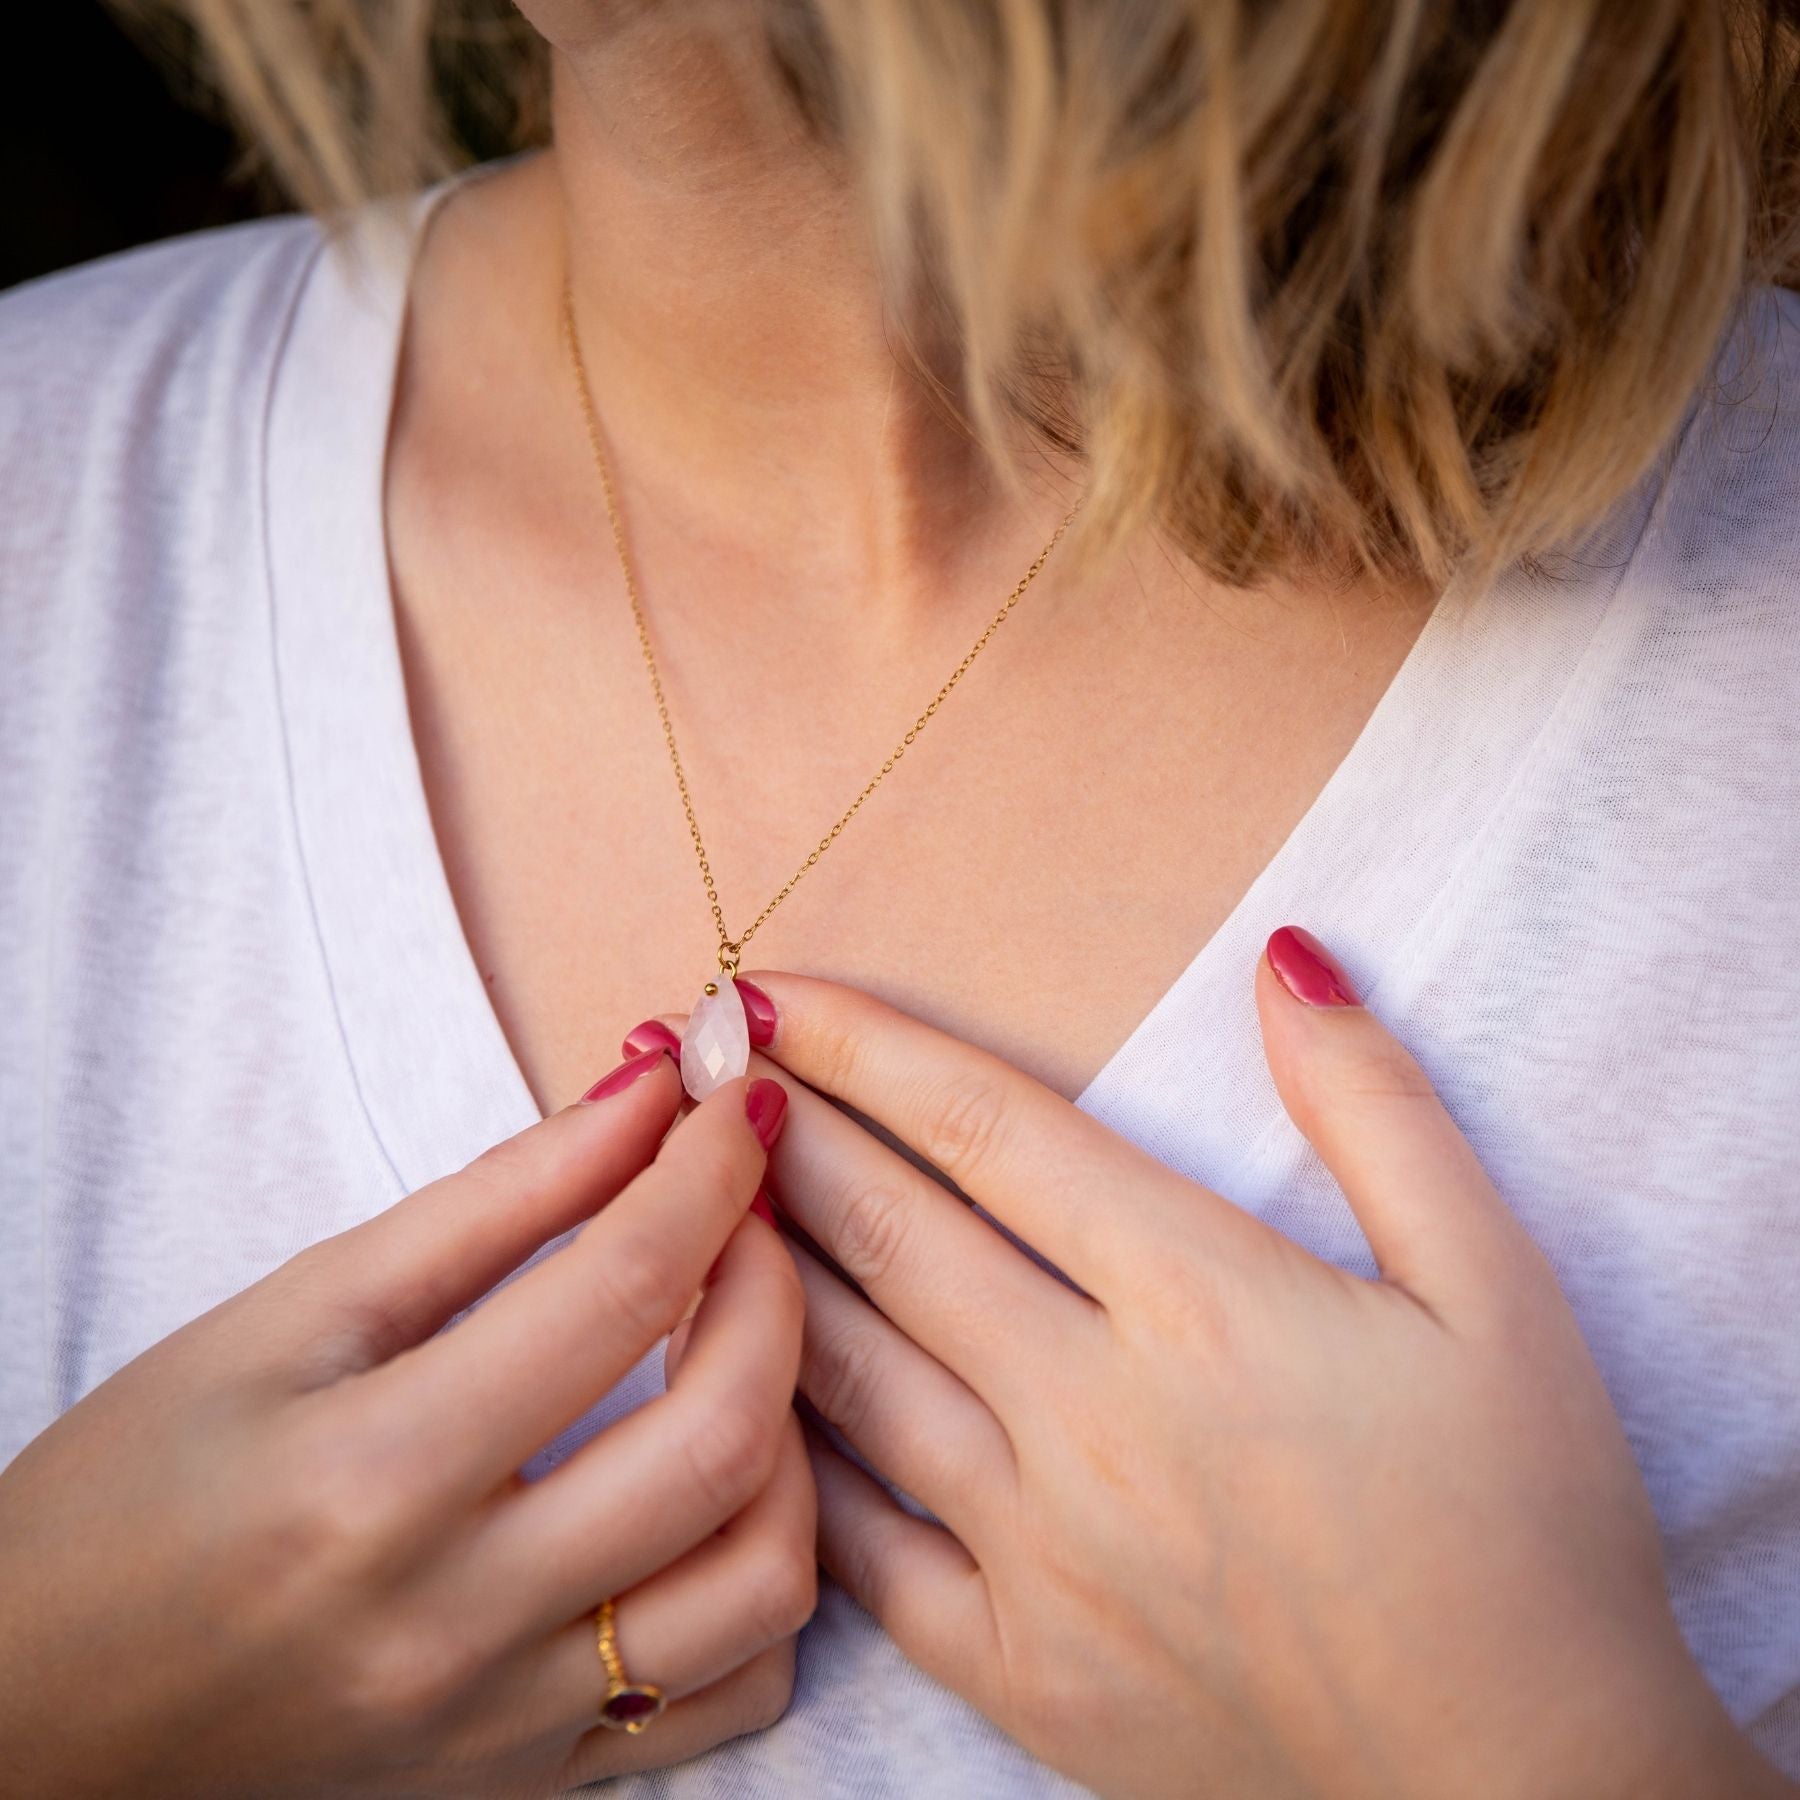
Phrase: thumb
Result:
[1432,1217]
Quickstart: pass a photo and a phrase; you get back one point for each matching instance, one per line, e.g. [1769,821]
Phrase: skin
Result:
[816,552]
[816,547]
[321,1612]
[286,1551]
[1284,1531]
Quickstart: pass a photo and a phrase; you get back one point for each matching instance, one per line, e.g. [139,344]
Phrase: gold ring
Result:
[627,1705]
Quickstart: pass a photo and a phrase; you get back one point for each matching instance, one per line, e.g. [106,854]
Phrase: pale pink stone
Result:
[715,1047]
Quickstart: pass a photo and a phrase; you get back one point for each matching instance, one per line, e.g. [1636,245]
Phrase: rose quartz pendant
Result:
[715,1047]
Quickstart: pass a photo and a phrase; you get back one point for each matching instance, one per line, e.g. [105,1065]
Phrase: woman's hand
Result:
[1229,1520]
[288,1551]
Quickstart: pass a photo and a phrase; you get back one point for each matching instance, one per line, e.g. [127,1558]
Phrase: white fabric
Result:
[237,1011]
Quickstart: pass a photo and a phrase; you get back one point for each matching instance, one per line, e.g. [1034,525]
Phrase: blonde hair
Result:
[1374,288]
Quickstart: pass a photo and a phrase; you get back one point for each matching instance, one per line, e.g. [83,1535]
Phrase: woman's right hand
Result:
[287,1550]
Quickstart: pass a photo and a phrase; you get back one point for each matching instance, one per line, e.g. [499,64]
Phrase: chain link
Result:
[730,948]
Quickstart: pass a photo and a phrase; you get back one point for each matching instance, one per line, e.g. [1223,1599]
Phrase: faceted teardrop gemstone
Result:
[715,1048]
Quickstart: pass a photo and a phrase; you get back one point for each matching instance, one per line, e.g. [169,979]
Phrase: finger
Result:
[1085,1197]
[1432,1217]
[676,1347]
[904,1412]
[954,1284]
[664,1031]
[688,1626]
[472,1404]
[751,1584]
[750,1699]
[656,1034]
[648,1488]
[918,1581]
[653,1034]
[387,1284]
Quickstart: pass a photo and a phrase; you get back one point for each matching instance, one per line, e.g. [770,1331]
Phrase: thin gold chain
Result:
[730,948]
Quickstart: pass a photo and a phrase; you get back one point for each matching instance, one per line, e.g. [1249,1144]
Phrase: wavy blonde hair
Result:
[1376,288]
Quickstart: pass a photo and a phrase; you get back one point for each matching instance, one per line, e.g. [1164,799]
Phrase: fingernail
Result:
[759,1010]
[624,1075]
[765,1106]
[653,1034]
[1308,970]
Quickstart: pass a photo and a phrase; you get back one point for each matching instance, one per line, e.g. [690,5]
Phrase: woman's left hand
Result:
[1228,1520]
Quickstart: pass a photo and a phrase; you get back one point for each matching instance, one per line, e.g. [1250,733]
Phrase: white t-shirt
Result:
[238,1012]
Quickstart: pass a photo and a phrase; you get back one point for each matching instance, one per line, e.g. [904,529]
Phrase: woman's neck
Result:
[731,316]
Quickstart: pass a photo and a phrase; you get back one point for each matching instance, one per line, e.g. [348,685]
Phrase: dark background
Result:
[97,153]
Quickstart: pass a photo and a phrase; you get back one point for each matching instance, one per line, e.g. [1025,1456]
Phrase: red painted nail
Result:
[1308,970]
[653,1034]
[759,1010]
[765,1106]
[624,1075]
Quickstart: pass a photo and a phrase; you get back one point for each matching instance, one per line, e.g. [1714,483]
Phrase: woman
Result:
[1359,444]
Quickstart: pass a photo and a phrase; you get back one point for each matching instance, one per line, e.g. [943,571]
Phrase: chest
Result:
[1047,858]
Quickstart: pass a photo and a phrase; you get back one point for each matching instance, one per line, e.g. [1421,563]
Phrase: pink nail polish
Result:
[624,1075]
[759,1010]
[765,1106]
[1308,970]
[653,1034]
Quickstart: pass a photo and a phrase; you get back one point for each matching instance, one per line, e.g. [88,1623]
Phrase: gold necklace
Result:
[716,1045]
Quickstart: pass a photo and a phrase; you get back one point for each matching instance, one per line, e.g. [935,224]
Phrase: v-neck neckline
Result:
[439,1081]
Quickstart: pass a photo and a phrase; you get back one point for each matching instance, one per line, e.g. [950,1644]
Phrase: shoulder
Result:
[134,387]
[156,280]
[101,361]
[132,390]
[1709,605]
[1678,727]
[1731,508]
